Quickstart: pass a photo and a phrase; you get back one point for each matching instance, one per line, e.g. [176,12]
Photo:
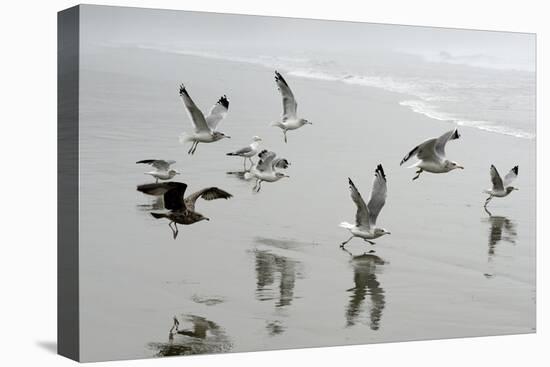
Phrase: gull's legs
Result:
[177,231]
[173,231]
[195,148]
[156,180]
[244,163]
[259,185]
[191,149]
[346,242]
[487,201]
[284,133]
[255,185]
[372,243]
[420,170]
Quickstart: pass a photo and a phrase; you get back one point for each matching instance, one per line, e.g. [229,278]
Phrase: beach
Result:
[266,271]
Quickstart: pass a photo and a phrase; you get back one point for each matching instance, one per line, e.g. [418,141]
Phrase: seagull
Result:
[182,210]
[289,120]
[163,171]
[248,151]
[205,127]
[431,155]
[365,218]
[501,188]
[266,169]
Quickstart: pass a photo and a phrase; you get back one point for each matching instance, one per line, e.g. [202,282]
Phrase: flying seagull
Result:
[162,169]
[501,188]
[431,155]
[182,210]
[365,218]
[205,127]
[249,151]
[289,119]
[266,169]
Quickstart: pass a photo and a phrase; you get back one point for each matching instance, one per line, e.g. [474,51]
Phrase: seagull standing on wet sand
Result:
[182,210]
[289,119]
[431,155]
[365,218]
[266,169]
[162,171]
[205,127]
[501,188]
[249,151]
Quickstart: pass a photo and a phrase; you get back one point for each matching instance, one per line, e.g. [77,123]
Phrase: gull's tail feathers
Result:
[278,124]
[158,215]
[248,176]
[185,137]
[346,225]
[414,165]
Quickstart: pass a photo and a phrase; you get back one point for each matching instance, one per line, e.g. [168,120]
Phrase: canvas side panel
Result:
[67,183]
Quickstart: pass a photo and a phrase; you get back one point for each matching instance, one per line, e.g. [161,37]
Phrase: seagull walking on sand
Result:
[365,218]
[205,127]
[289,119]
[182,210]
[249,151]
[501,188]
[267,169]
[431,155]
[162,168]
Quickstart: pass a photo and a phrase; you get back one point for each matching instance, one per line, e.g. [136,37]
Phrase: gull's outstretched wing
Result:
[160,164]
[495,179]
[172,191]
[209,193]
[511,176]
[362,215]
[196,116]
[289,102]
[442,141]
[266,159]
[217,113]
[378,195]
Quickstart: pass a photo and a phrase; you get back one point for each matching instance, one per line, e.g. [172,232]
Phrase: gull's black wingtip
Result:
[380,170]
[182,89]
[456,135]
[224,101]
[515,170]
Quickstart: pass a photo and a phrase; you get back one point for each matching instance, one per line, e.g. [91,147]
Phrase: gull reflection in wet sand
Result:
[502,229]
[366,284]
[269,267]
[204,336]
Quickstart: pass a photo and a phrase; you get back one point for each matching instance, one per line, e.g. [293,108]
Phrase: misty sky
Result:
[120,25]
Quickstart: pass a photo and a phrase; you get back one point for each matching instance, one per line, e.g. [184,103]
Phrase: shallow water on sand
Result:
[266,272]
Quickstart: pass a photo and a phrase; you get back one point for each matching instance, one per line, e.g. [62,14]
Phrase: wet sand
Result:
[267,269]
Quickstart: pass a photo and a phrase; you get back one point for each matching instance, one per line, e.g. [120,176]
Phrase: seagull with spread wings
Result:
[182,210]
[365,218]
[501,188]
[431,155]
[267,169]
[289,118]
[162,168]
[205,127]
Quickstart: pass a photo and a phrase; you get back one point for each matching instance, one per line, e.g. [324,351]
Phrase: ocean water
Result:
[472,90]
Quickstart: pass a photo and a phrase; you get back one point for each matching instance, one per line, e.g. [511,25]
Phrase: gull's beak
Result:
[227,136]
[309,122]
[516,189]
[207,218]
[178,173]
[460,167]
[287,176]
